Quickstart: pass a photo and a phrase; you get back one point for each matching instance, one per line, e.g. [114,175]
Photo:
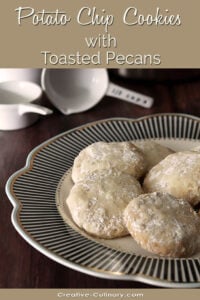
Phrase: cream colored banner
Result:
[98,294]
[108,33]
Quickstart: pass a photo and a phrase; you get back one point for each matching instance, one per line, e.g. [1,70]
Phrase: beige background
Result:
[52,294]
[178,46]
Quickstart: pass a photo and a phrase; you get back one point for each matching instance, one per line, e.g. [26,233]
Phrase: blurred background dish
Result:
[77,90]
[18,104]
[25,74]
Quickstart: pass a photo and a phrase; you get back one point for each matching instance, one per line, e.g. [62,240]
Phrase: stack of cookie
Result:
[139,188]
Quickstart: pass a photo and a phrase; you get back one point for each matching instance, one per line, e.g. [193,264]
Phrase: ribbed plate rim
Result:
[16,206]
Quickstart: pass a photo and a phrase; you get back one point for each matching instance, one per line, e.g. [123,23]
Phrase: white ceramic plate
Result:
[36,217]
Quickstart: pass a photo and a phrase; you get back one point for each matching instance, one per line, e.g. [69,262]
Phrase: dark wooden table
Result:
[21,266]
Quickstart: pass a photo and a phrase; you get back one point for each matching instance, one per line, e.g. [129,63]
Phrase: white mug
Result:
[77,90]
[17,104]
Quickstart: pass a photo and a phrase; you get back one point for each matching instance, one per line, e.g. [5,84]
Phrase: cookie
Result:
[197,148]
[153,152]
[178,174]
[97,203]
[121,156]
[163,224]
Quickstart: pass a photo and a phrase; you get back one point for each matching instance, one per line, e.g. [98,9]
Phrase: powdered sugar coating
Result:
[122,156]
[153,152]
[197,148]
[97,203]
[163,224]
[178,174]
